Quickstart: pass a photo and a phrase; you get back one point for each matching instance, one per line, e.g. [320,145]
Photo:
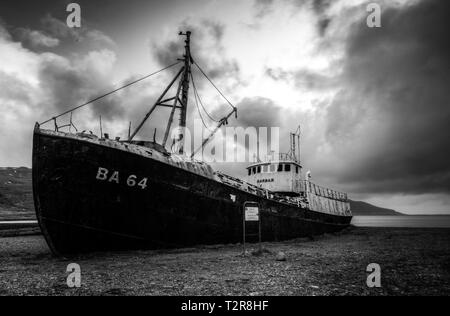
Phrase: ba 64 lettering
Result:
[103,174]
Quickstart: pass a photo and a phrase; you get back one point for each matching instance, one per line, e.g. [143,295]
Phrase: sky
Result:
[373,103]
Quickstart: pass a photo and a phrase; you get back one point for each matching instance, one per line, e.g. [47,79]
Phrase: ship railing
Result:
[286,157]
[324,192]
[275,157]
[328,206]
[240,184]
[326,200]
[300,201]
[317,198]
[245,186]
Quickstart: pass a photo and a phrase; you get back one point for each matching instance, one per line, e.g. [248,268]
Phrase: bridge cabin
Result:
[281,174]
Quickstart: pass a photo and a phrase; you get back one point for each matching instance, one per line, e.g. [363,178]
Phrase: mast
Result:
[185,88]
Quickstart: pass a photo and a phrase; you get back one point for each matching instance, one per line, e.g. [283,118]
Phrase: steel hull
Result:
[79,213]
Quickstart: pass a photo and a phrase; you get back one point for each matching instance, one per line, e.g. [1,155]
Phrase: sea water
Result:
[426,221]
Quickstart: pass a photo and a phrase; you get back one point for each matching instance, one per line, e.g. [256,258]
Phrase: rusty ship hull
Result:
[80,209]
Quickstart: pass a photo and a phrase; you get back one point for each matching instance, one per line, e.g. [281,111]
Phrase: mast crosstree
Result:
[181,104]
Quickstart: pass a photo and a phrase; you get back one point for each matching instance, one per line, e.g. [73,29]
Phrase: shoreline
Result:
[414,261]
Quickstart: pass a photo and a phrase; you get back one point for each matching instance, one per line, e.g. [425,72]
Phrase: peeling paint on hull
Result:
[79,213]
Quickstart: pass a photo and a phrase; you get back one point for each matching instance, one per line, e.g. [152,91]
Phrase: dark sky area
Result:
[373,103]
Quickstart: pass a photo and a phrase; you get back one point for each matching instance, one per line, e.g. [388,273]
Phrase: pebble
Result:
[281,256]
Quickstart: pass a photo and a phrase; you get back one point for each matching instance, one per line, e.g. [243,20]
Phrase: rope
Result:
[109,93]
[200,100]
[198,109]
[201,70]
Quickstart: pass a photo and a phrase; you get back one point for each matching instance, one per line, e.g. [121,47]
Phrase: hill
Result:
[362,208]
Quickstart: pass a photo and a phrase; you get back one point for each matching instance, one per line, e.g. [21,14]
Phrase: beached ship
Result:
[96,193]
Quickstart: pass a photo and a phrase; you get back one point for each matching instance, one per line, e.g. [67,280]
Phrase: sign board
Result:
[251,214]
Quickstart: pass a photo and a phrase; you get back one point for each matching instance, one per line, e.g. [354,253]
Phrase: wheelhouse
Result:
[281,175]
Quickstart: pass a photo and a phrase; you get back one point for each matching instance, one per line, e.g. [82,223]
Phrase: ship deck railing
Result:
[280,157]
[324,192]
[299,201]
[286,157]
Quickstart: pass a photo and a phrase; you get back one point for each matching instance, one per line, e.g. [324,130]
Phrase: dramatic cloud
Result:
[59,28]
[207,50]
[389,121]
[263,7]
[304,78]
[70,83]
[85,34]
[36,38]
[258,112]
[319,7]
[36,86]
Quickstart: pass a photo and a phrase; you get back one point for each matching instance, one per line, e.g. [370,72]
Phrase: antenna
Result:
[295,144]
[257,150]
[298,133]
[101,129]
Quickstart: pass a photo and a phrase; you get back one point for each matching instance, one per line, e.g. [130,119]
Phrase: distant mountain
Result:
[362,208]
[16,194]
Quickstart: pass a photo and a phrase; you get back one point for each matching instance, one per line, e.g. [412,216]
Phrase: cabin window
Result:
[259,169]
[265,168]
[249,171]
[254,170]
[280,167]
[296,169]
[272,168]
[287,167]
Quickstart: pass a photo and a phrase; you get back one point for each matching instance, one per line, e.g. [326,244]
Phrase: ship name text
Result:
[113,176]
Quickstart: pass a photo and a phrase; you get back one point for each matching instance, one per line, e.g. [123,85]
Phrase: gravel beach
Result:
[413,262]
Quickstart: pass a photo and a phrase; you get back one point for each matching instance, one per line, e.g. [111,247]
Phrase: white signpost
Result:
[251,214]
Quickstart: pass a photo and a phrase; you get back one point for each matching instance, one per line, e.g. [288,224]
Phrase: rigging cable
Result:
[201,70]
[109,93]
[200,100]
[196,97]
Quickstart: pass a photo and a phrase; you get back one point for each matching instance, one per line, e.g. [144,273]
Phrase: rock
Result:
[281,256]
[260,251]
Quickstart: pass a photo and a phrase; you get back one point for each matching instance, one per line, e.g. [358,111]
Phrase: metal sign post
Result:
[251,214]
